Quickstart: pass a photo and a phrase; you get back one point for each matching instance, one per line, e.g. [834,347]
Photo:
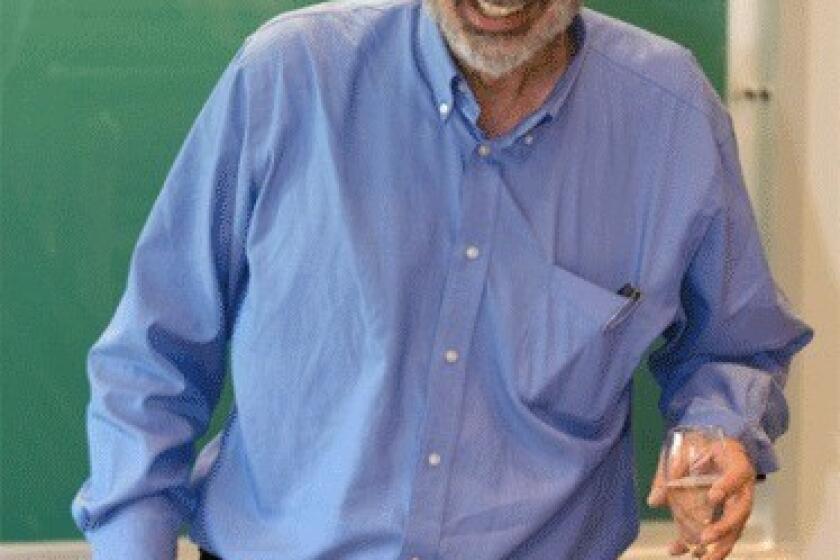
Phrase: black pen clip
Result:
[630,291]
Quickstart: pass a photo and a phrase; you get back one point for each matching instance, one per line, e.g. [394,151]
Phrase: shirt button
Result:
[471,252]
[444,109]
[484,150]
[529,139]
[451,356]
[434,459]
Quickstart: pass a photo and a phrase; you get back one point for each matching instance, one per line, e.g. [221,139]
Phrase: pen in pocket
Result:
[633,295]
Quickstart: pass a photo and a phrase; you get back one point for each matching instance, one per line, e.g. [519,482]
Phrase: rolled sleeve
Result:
[727,355]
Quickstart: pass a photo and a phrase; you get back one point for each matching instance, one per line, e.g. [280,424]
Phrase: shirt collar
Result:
[441,73]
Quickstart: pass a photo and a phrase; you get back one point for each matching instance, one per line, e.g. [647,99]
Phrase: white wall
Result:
[803,232]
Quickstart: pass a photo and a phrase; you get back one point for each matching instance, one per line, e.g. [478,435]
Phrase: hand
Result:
[734,491]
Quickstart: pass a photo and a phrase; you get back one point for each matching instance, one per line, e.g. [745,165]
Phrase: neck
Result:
[505,100]
[545,66]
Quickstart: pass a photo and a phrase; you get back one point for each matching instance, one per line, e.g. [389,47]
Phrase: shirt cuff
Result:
[758,446]
[144,530]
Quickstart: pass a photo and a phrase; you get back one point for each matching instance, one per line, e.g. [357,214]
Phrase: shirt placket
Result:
[462,295]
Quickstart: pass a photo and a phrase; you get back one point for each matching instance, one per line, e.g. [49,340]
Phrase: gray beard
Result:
[496,57]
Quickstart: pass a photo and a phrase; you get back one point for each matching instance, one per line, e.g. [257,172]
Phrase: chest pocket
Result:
[570,368]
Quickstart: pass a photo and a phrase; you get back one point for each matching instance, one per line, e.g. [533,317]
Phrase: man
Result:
[437,239]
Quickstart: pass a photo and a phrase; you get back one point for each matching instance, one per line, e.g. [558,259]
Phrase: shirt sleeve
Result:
[726,357]
[157,371]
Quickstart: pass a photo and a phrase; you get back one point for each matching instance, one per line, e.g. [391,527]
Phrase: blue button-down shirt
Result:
[428,352]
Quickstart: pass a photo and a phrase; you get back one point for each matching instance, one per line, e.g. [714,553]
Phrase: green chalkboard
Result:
[96,96]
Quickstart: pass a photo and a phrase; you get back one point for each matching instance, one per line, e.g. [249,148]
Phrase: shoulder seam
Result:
[682,99]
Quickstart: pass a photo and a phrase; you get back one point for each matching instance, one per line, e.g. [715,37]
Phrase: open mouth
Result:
[485,17]
[496,11]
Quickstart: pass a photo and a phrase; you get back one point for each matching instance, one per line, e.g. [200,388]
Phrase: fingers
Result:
[677,548]
[739,471]
[722,535]
[722,548]
[735,514]
[733,493]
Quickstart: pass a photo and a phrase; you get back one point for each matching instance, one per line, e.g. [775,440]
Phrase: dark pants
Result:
[207,556]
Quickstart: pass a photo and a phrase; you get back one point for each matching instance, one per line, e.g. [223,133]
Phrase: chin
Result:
[496,55]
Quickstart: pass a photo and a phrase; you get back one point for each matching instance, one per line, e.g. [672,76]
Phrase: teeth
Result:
[493,10]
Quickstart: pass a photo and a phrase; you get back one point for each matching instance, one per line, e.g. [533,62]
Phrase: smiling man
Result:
[434,240]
